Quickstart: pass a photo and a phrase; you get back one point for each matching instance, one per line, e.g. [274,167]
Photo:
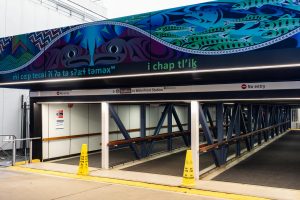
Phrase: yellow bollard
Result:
[84,162]
[188,172]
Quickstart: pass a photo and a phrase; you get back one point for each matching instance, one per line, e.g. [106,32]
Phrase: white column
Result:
[105,134]
[195,136]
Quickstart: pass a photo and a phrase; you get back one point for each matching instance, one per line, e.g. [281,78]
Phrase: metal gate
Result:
[6,149]
[14,150]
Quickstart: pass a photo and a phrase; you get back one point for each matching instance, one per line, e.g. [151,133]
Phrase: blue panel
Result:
[177,39]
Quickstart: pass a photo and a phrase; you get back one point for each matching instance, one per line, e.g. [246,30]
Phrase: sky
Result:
[120,8]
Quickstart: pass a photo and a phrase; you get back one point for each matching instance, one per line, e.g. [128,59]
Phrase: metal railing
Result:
[7,147]
[30,148]
[16,149]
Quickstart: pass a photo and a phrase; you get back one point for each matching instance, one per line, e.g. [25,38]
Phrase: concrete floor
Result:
[277,165]
[16,185]
[168,165]
[173,164]
[120,156]
[62,188]
[6,156]
[62,170]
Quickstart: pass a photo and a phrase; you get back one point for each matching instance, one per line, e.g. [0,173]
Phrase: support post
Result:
[259,124]
[227,118]
[271,121]
[14,153]
[211,122]
[244,128]
[189,123]
[170,128]
[249,124]
[195,136]
[277,121]
[207,134]
[143,129]
[220,132]
[105,135]
[179,125]
[265,122]
[231,127]
[290,117]
[123,130]
[159,126]
[30,151]
[237,129]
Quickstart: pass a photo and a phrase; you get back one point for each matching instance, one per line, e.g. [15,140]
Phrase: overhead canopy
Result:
[216,42]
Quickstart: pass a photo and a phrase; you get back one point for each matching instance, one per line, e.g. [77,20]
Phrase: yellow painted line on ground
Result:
[140,184]
[26,162]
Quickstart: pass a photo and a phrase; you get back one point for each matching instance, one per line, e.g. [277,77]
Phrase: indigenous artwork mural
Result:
[176,39]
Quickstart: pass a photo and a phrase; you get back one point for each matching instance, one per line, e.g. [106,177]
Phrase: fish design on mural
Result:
[218,30]
[213,28]
[205,16]
[114,45]
[230,45]
[275,33]
[247,4]
[174,28]
[199,37]
[250,18]
[165,35]
[216,43]
[285,21]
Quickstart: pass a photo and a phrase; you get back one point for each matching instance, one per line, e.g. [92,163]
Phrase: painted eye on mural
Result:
[113,49]
[72,53]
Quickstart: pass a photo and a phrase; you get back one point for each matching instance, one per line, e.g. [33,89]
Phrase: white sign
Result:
[60,121]
[238,87]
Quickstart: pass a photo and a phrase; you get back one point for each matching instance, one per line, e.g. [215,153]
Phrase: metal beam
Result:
[232,121]
[177,120]
[264,122]
[208,135]
[271,120]
[143,129]
[211,122]
[159,125]
[237,131]
[206,148]
[232,126]
[245,130]
[123,130]
[250,123]
[189,122]
[258,123]
[170,127]
[247,125]
[221,153]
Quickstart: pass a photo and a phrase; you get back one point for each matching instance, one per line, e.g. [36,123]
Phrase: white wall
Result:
[10,111]
[24,16]
[78,120]
[86,119]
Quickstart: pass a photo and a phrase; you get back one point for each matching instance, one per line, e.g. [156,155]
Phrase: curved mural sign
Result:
[176,39]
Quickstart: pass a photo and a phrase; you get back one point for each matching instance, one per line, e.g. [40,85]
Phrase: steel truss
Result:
[230,124]
[237,123]
[147,142]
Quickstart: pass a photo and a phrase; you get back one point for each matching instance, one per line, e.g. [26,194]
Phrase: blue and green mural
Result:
[167,40]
